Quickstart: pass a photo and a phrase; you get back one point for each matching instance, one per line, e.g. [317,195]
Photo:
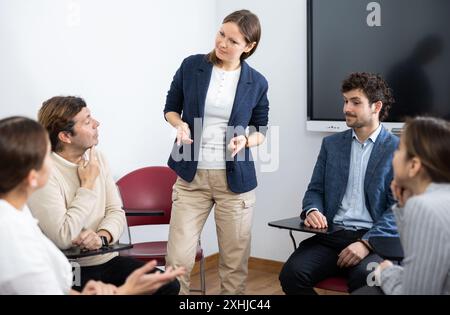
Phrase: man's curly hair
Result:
[373,86]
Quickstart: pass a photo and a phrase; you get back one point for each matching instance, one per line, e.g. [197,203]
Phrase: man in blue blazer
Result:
[350,187]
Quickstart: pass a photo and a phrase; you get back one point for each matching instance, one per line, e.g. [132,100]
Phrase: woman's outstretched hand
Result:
[141,282]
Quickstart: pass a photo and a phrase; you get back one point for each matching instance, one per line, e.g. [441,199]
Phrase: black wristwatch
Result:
[104,241]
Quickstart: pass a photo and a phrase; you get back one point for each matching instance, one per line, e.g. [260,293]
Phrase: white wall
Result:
[121,55]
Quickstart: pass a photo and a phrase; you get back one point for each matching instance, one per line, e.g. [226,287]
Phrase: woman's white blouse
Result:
[218,105]
[29,262]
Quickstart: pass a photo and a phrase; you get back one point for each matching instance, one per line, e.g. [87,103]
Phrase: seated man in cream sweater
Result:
[80,204]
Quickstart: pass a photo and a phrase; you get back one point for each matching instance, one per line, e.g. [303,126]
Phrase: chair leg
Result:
[202,276]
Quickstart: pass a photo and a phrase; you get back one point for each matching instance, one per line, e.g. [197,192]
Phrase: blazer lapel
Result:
[345,151]
[245,81]
[203,77]
[378,150]
[345,148]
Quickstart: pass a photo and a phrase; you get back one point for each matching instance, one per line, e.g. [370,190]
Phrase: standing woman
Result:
[212,100]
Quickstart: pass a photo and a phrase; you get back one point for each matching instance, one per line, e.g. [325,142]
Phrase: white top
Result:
[64,208]
[29,262]
[218,105]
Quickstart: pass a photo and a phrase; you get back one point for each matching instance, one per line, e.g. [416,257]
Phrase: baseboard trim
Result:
[254,263]
[262,264]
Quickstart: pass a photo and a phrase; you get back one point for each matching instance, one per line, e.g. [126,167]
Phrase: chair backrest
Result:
[148,188]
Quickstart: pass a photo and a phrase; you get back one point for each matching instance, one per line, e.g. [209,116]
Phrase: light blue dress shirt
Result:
[353,213]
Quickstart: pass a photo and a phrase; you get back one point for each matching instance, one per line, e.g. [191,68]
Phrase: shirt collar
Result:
[65,162]
[373,136]
[437,186]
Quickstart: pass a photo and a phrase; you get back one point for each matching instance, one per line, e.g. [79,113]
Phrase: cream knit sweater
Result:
[63,208]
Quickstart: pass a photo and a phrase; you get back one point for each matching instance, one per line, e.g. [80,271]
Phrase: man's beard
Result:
[356,123]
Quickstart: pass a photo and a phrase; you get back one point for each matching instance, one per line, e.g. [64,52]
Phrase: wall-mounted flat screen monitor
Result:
[407,42]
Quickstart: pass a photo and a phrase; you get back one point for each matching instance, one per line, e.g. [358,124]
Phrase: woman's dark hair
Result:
[56,115]
[249,26]
[428,139]
[23,147]
[373,86]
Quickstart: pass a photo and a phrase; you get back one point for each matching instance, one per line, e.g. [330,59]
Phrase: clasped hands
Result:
[87,240]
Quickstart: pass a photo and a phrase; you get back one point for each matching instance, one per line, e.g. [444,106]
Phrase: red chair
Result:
[147,200]
[338,284]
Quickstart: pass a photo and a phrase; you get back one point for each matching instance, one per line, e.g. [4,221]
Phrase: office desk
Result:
[387,247]
[76,252]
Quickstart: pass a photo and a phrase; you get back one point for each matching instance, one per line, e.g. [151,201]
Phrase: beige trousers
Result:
[192,203]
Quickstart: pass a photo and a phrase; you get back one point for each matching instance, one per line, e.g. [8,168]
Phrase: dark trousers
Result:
[116,272]
[316,259]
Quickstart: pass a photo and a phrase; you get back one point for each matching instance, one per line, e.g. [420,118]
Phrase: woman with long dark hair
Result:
[421,187]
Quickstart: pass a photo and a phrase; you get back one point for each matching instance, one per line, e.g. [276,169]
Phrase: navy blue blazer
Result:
[187,96]
[330,176]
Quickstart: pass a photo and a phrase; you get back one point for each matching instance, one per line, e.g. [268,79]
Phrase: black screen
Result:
[410,50]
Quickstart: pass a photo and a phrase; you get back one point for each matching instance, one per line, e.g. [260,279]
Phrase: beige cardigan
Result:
[63,208]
